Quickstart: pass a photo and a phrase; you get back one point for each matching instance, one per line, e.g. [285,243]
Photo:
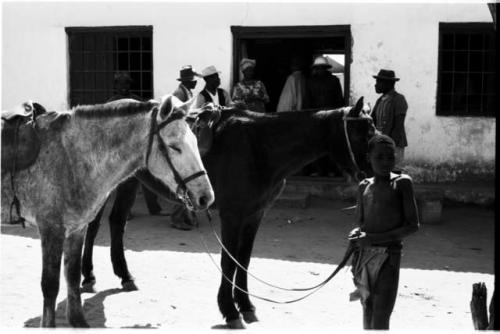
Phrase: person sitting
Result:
[123,83]
[249,91]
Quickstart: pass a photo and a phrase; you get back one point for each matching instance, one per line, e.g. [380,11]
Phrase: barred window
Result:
[466,69]
[96,53]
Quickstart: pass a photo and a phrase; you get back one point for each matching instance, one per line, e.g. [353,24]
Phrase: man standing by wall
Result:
[212,92]
[389,112]
[182,218]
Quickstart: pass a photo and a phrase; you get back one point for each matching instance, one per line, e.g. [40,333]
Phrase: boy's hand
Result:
[356,234]
[359,238]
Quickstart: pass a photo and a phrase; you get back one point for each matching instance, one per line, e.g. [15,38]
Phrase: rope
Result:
[312,290]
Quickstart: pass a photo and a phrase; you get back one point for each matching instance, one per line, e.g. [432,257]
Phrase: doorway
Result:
[274,47]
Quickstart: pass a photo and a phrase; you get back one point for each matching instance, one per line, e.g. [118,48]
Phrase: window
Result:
[466,69]
[96,53]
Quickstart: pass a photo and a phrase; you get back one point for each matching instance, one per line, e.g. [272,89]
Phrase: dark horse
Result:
[250,158]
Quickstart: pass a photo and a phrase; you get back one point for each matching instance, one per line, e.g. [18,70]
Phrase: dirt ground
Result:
[294,248]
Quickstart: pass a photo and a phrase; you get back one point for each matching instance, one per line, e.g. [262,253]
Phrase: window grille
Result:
[96,53]
[466,70]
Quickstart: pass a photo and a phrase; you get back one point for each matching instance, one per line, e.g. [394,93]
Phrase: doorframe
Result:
[263,32]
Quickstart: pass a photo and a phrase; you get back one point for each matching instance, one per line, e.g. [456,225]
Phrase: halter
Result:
[346,118]
[181,191]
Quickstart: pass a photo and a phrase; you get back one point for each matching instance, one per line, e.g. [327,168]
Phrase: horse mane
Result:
[124,107]
[281,119]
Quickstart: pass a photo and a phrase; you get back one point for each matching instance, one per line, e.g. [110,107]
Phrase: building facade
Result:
[46,48]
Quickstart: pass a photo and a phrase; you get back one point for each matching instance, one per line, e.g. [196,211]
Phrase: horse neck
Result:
[299,140]
[108,149]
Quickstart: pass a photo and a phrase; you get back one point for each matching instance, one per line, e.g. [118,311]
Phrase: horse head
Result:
[357,129]
[174,156]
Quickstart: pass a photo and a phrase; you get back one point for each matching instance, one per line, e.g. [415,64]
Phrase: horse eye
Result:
[176,149]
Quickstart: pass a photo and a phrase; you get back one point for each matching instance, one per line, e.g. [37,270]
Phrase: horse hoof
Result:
[249,317]
[88,288]
[129,286]
[79,322]
[235,324]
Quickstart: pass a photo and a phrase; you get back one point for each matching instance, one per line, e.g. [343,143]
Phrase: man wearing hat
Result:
[389,112]
[188,82]
[122,83]
[182,218]
[212,93]
[323,90]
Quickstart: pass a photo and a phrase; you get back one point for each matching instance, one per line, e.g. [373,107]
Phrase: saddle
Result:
[204,126]
[20,140]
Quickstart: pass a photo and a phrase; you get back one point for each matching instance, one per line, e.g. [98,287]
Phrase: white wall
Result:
[402,37]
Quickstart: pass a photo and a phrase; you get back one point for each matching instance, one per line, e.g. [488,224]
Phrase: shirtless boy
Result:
[386,213]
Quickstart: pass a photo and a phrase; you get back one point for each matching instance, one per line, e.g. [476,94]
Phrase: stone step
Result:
[293,200]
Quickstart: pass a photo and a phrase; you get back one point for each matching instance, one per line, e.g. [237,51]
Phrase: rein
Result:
[343,262]
[182,190]
[312,289]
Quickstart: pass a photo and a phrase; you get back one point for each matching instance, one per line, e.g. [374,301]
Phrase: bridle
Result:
[181,191]
[346,118]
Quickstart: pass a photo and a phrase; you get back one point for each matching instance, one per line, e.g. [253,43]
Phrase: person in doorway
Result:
[211,93]
[249,91]
[386,214]
[389,112]
[294,91]
[123,83]
[181,217]
[323,90]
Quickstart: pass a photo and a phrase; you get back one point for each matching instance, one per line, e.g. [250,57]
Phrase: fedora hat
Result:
[321,61]
[187,74]
[386,75]
[210,70]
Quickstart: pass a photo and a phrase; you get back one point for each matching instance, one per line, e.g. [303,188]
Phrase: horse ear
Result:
[354,112]
[166,106]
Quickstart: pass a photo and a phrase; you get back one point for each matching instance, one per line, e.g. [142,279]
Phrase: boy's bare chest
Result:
[382,206]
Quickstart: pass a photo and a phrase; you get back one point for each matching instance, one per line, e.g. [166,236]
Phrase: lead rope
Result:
[314,289]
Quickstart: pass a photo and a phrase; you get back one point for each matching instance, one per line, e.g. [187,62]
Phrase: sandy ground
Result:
[294,248]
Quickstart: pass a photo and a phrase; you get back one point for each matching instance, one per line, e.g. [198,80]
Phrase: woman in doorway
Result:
[250,91]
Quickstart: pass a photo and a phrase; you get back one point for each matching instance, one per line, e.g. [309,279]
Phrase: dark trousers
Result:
[151,201]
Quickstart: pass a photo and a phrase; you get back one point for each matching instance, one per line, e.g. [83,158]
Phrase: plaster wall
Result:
[402,37]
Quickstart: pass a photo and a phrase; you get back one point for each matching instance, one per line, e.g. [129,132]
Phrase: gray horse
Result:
[85,153]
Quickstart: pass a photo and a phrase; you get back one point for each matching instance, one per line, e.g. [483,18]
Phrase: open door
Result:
[274,47]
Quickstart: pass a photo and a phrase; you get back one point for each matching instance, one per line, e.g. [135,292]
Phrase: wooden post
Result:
[478,306]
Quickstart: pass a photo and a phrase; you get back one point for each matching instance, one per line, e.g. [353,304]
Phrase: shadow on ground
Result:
[93,308]
[463,241]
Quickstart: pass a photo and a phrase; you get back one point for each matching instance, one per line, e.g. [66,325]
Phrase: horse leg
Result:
[52,239]
[229,233]
[87,265]
[72,263]
[247,239]
[125,198]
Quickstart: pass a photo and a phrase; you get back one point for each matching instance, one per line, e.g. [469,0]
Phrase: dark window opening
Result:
[96,54]
[274,47]
[467,69]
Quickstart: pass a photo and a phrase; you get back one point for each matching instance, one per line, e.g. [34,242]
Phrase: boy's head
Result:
[381,149]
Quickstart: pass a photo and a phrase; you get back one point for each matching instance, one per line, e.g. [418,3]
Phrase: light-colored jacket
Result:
[292,95]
